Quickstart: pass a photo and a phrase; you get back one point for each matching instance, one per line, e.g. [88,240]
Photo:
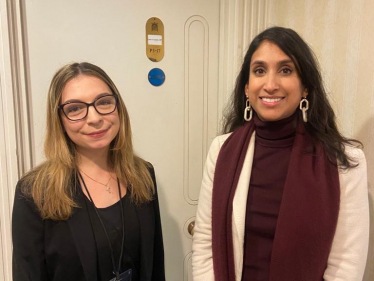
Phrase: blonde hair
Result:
[51,184]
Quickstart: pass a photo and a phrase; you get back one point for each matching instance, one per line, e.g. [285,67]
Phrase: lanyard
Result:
[116,270]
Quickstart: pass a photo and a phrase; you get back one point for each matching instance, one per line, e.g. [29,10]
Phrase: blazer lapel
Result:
[83,236]
[147,227]
[240,205]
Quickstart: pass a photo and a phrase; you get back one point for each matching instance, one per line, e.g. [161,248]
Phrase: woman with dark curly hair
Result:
[284,195]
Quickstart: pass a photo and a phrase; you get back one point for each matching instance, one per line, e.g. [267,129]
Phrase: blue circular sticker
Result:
[156,77]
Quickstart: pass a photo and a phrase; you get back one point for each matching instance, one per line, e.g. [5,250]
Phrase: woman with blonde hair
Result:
[90,211]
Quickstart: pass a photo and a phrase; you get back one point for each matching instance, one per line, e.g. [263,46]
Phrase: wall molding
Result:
[196,59]
[20,75]
[8,160]
[15,133]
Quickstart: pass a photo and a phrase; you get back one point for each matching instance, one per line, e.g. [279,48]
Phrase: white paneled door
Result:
[173,124]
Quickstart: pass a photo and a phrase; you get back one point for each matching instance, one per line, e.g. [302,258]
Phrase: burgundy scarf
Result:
[307,218]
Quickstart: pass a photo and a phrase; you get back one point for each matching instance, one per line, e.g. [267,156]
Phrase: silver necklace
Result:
[107,186]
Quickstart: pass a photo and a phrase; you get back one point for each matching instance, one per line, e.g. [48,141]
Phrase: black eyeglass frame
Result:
[61,106]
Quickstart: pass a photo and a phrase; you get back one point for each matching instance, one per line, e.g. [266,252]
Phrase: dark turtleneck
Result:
[272,153]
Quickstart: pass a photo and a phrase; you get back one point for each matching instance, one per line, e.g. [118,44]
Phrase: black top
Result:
[272,153]
[49,250]
[111,218]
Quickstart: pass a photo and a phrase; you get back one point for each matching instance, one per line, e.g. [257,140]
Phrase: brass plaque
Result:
[154,39]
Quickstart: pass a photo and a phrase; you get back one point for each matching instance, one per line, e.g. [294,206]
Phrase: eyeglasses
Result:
[78,110]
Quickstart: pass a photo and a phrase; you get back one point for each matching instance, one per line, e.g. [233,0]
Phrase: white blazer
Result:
[348,254]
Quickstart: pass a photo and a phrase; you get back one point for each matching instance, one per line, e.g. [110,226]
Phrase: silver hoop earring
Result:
[247,111]
[304,106]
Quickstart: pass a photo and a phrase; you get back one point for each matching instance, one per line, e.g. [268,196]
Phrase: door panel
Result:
[172,124]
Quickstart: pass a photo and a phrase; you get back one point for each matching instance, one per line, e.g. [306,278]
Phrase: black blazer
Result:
[47,250]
